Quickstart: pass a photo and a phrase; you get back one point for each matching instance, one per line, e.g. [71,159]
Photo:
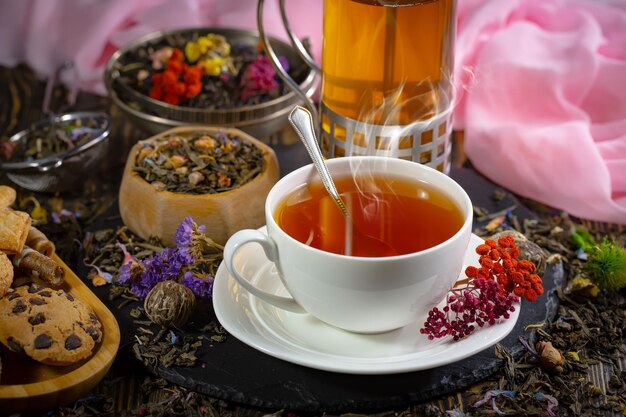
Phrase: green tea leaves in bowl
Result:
[198,163]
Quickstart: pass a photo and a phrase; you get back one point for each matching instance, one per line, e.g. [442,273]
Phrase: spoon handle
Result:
[302,121]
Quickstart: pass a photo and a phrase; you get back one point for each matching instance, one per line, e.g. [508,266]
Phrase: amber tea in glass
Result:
[388,62]
[407,215]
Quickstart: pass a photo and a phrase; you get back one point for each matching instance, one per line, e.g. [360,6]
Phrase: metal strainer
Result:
[62,171]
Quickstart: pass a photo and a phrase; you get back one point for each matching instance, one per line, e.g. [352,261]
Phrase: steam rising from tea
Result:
[405,215]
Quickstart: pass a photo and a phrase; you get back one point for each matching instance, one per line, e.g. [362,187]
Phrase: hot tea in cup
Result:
[405,215]
[386,265]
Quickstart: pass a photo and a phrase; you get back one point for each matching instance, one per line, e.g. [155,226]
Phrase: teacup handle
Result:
[235,242]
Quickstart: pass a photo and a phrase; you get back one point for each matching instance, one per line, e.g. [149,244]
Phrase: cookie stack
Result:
[39,319]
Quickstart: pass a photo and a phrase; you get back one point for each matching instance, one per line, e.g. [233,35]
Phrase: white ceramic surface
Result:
[365,295]
[305,340]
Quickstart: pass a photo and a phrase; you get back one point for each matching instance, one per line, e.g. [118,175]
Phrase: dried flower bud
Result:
[227,146]
[98,280]
[550,358]
[223,180]
[174,142]
[182,170]
[144,153]
[175,161]
[169,304]
[195,178]
[205,143]
[158,186]
[160,57]
[142,75]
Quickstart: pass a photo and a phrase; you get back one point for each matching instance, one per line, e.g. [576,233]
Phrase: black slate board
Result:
[236,372]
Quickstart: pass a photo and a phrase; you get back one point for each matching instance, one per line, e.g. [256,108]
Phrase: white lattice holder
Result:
[427,142]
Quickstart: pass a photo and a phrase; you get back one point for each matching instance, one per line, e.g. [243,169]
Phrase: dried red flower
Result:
[192,75]
[176,67]
[177,55]
[490,293]
[178,82]
[193,89]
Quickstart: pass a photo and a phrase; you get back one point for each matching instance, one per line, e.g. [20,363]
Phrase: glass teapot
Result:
[386,78]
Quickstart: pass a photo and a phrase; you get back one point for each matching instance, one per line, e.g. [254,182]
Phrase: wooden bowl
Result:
[151,213]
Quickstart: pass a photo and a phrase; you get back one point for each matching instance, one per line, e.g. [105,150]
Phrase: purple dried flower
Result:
[171,264]
[58,217]
[202,287]
[185,240]
[490,396]
[186,255]
[184,233]
[284,62]
[552,402]
[166,265]
[529,348]
[130,272]
[123,274]
[141,288]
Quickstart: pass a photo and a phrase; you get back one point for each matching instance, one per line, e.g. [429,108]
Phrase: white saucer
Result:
[304,340]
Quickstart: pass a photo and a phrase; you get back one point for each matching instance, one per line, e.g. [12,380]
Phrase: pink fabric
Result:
[44,33]
[542,100]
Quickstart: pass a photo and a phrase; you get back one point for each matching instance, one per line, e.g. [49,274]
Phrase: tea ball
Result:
[169,304]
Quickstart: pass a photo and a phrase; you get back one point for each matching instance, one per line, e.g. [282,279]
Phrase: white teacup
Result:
[359,294]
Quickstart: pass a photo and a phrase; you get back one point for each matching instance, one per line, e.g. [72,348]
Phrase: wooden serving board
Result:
[27,386]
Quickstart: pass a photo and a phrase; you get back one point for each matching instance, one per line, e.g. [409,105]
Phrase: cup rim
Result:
[467,223]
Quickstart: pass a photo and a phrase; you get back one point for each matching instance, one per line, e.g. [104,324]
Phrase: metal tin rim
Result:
[175,123]
[110,68]
[36,163]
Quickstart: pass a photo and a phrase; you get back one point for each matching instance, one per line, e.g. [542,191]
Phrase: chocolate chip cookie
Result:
[50,326]
[6,274]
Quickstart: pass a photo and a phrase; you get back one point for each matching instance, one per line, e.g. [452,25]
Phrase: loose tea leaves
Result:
[51,139]
[199,163]
[166,349]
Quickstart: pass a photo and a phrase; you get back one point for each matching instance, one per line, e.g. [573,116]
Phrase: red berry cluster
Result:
[178,82]
[499,262]
[489,294]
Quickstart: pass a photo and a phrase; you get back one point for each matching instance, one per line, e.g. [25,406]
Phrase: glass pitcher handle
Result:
[297,44]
